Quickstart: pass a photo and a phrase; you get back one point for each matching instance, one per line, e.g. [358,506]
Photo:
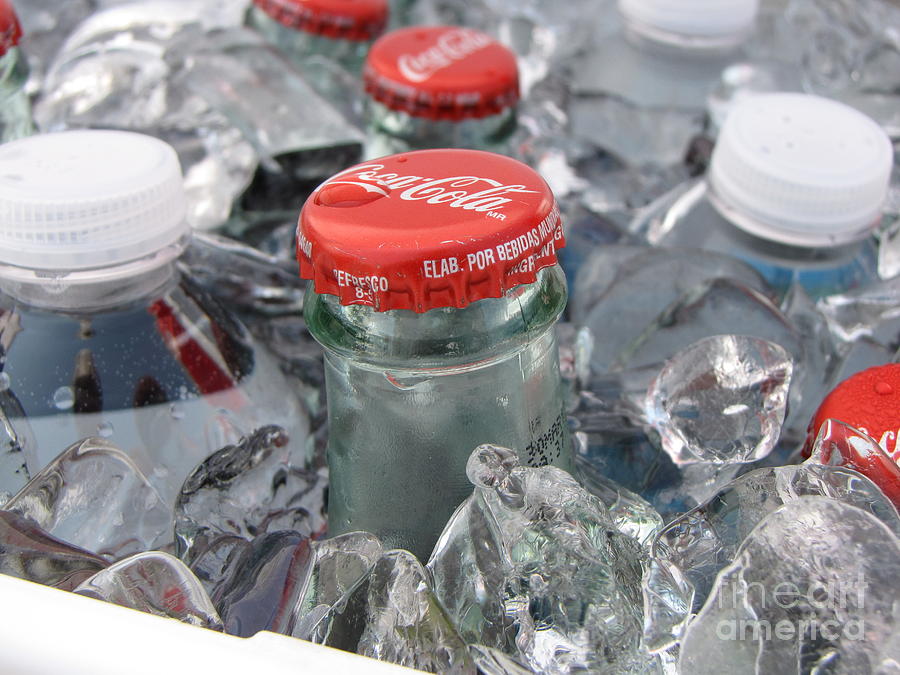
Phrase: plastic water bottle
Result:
[435,293]
[102,332]
[15,109]
[437,87]
[796,189]
[641,93]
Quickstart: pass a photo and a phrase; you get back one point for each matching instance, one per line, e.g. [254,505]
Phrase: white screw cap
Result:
[801,169]
[692,18]
[85,199]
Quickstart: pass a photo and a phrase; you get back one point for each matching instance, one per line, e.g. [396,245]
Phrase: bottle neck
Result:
[444,338]
[420,133]
[94,290]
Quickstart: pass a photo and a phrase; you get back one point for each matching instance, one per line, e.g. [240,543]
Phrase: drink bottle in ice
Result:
[15,109]
[103,332]
[434,290]
[339,30]
[641,92]
[439,86]
[796,189]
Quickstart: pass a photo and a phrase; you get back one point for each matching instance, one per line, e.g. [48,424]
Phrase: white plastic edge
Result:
[48,632]
[696,18]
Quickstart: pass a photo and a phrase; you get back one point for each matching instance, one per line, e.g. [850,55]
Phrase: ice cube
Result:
[28,552]
[268,580]
[340,564]
[531,564]
[643,289]
[721,400]
[810,590]
[704,540]
[156,583]
[393,615]
[94,496]
[247,489]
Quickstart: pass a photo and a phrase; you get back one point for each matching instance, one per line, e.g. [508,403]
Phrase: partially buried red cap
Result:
[428,229]
[357,20]
[868,401]
[10,30]
[442,72]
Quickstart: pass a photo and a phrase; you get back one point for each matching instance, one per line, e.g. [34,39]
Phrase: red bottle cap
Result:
[442,72]
[357,20]
[868,401]
[427,229]
[10,30]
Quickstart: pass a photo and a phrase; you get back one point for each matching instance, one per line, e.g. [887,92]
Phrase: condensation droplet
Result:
[105,429]
[4,381]
[64,398]
[176,412]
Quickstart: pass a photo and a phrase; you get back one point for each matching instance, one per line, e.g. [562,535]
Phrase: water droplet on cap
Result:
[883,388]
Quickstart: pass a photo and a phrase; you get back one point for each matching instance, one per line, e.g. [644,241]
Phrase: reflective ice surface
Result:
[92,495]
[532,565]
[247,489]
[156,583]
[832,608]
[721,400]
[392,614]
[28,552]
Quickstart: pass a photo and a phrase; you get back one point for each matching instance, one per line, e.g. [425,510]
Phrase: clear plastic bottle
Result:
[796,189]
[435,295]
[339,30]
[102,332]
[15,108]
[641,93]
[439,87]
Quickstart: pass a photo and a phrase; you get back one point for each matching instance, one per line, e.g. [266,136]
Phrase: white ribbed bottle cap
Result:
[801,170]
[692,18]
[85,199]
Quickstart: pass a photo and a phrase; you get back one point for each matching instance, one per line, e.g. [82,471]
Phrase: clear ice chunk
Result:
[250,280]
[268,581]
[156,583]
[668,602]
[248,489]
[219,561]
[532,565]
[171,70]
[94,496]
[393,615]
[721,400]
[28,552]
[340,564]
[704,540]
[809,590]
[872,311]
[640,288]
[632,515]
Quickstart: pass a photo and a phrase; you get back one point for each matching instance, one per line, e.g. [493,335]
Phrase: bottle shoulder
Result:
[442,337]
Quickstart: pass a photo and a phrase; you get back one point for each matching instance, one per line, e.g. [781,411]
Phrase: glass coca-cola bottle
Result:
[339,30]
[434,290]
[439,87]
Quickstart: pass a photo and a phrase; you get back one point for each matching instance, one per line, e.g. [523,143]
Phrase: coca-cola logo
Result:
[451,47]
[458,192]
